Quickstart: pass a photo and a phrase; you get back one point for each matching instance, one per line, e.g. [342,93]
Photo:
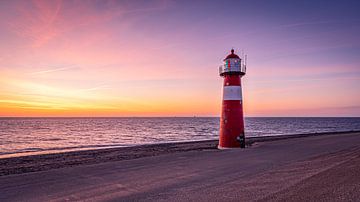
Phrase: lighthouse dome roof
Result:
[232,55]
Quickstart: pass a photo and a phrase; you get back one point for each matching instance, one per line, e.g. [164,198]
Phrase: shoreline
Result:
[49,161]
[100,147]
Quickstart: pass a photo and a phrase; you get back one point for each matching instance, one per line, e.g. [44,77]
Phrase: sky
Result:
[161,57]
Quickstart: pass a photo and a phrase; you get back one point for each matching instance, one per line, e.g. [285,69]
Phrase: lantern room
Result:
[233,64]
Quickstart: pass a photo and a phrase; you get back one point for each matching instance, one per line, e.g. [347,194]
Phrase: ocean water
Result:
[25,136]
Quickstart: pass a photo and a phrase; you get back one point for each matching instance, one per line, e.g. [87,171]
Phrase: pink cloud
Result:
[37,21]
[42,21]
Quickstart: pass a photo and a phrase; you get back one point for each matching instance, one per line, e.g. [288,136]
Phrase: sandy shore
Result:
[302,168]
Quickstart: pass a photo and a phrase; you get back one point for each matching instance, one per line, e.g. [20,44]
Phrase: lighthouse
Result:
[232,133]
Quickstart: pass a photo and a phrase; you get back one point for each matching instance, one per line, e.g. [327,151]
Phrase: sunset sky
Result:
[161,58]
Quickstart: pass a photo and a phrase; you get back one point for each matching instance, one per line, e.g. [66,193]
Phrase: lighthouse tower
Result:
[232,117]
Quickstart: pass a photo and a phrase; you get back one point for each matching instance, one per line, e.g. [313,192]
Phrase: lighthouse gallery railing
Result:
[233,68]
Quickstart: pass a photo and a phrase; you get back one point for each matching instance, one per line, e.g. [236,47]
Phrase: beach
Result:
[308,167]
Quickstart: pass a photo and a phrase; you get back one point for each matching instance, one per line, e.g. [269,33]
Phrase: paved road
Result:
[276,170]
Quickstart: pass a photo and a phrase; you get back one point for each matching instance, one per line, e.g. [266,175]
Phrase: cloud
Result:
[299,24]
[41,21]
[37,20]
[100,87]
[52,70]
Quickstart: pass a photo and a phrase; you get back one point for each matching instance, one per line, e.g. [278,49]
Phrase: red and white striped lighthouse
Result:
[232,134]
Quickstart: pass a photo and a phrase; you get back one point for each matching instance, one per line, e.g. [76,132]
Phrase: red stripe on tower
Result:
[232,133]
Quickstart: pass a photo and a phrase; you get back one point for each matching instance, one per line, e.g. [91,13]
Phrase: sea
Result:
[28,136]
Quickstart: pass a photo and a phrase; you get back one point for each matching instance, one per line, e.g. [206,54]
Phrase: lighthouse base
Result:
[240,143]
[226,148]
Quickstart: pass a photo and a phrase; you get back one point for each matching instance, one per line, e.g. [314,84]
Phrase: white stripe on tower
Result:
[232,93]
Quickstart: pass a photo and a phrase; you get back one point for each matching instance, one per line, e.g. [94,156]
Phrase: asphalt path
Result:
[310,168]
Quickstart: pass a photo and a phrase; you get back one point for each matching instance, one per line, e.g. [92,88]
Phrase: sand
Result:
[302,168]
